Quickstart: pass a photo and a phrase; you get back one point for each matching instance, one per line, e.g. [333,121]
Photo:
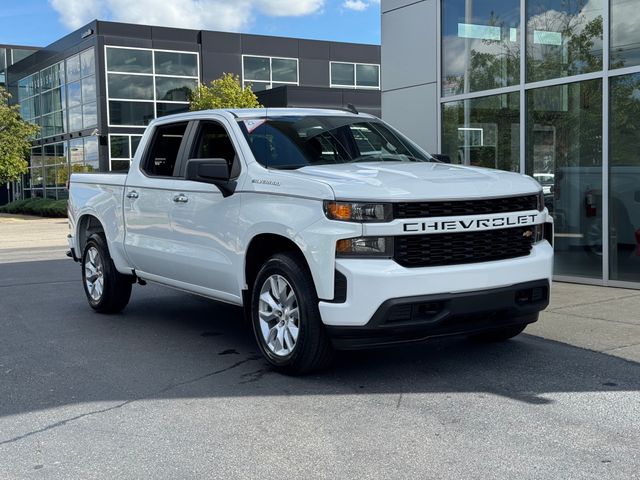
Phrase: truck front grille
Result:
[465,207]
[466,247]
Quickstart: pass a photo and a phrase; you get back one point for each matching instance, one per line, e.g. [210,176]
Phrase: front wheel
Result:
[107,290]
[285,317]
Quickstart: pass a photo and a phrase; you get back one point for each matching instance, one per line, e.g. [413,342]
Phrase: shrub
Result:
[42,207]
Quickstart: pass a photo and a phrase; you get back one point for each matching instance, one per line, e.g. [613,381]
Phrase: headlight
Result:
[381,247]
[540,201]
[358,212]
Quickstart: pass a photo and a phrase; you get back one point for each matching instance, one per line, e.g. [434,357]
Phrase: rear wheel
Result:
[285,317]
[107,290]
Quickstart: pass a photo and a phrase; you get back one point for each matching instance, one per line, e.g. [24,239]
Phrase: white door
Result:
[149,198]
[205,221]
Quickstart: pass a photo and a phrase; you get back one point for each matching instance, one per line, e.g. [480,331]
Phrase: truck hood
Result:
[418,181]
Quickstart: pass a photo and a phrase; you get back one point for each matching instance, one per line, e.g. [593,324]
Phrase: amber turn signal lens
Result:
[339,211]
[343,246]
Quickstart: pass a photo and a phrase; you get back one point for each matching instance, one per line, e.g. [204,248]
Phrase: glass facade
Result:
[480,45]
[122,149]
[145,84]
[263,73]
[567,114]
[62,97]
[9,56]
[354,75]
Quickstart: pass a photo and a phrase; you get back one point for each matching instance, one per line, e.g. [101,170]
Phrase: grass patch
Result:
[42,207]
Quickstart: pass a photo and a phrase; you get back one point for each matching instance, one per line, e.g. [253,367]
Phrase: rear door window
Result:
[162,156]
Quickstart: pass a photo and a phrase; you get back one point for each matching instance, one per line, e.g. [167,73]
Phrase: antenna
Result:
[351,107]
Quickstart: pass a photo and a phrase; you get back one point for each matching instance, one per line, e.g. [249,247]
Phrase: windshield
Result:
[295,142]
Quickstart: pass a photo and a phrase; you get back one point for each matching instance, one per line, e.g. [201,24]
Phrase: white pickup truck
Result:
[330,228]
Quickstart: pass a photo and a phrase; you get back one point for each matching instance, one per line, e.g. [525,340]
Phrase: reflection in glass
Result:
[284,70]
[564,152]
[367,75]
[483,132]
[175,89]
[73,68]
[176,63]
[134,87]
[564,38]
[135,141]
[91,153]
[624,178]
[343,74]
[75,118]
[119,146]
[256,86]
[89,89]
[171,108]
[129,60]
[121,166]
[20,54]
[480,45]
[74,94]
[130,113]
[87,62]
[625,35]
[89,115]
[257,68]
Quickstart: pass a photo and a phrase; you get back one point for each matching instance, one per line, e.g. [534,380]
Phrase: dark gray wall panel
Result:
[349,52]
[314,73]
[313,49]
[169,45]
[221,42]
[215,64]
[124,30]
[128,42]
[272,46]
[175,34]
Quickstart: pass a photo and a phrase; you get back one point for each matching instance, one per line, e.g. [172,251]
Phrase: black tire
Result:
[312,350]
[116,287]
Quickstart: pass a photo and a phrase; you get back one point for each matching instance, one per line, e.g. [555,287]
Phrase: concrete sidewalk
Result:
[25,239]
[602,319]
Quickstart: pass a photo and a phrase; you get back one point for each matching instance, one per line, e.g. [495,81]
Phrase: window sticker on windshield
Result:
[253,124]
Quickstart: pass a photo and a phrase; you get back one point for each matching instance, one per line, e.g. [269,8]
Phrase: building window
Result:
[483,132]
[480,45]
[625,36]
[563,38]
[122,149]
[354,75]
[263,73]
[62,97]
[624,178]
[564,152]
[146,84]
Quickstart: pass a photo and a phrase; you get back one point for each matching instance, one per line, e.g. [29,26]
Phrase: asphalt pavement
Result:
[174,388]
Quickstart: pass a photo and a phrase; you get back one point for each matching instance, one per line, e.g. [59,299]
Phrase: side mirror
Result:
[441,157]
[211,170]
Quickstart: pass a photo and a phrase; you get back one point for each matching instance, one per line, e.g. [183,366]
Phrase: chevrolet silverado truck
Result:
[330,228]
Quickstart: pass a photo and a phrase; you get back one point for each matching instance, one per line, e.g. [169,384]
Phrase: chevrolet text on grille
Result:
[476,223]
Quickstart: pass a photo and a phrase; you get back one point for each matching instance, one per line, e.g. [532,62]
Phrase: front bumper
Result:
[372,282]
[417,318]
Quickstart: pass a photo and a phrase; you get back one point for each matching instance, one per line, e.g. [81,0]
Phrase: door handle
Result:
[182,198]
[132,194]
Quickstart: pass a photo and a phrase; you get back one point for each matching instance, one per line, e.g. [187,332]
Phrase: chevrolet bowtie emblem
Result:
[527,234]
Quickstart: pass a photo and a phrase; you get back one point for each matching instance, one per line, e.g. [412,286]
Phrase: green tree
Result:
[225,92]
[14,140]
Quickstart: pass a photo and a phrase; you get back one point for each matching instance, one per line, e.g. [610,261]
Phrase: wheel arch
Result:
[263,246]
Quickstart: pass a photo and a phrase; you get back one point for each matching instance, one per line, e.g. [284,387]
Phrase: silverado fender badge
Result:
[266,182]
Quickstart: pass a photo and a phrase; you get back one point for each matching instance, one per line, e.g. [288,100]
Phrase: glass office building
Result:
[550,88]
[94,91]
